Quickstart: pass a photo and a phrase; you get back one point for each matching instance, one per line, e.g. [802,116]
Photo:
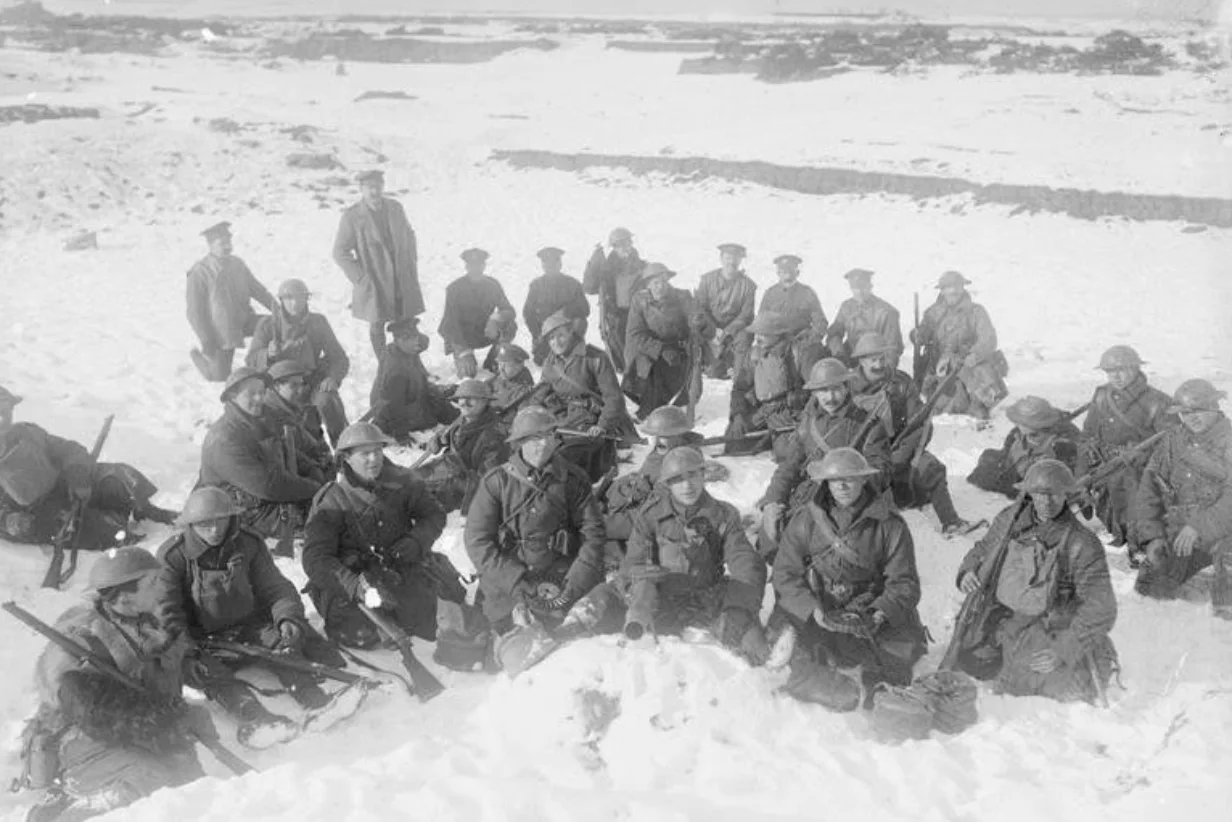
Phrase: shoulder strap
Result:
[1122,418]
[837,544]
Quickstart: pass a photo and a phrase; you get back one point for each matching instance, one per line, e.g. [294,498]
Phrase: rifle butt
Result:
[427,686]
[232,762]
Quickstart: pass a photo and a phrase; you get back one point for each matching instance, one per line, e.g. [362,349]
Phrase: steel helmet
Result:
[120,565]
[1047,477]
[950,278]
[620,235]
[841,463]
[826,373]
[681,461]
[206,504]
[239,376]
[1196,395]
[359,434]
[1119,356]
[531,422]
[473,390]
[1033,412]
[667,421]
[553,322]
[284,370]
[293,288]
[870,344]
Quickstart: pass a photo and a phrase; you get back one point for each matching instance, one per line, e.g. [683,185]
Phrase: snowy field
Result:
[600,732]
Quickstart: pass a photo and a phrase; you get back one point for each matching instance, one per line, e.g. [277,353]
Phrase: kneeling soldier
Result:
[1047,634]
[1040,432]
[473,444]
[368,536]
[513,382]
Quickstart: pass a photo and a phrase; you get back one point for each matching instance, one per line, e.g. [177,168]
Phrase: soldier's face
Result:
[366,462]
[832,397]
[687,488]
[1198,421]
[560,339]
[657,287]
[1047,506]
[292,389]
[135,598]
[536,451]
[875,367]
[472,406]
[295,305]
[551,265]
[730,261]
[623,248]
[788,274]
[510,369]
[861,290]
[1120,378]
[221,246]
[952,294]
[250,397]
[212,531]
[408,343]
[475,266]
[846,490]
[372,191]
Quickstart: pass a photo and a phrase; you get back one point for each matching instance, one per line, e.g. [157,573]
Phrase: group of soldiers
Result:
[563,546]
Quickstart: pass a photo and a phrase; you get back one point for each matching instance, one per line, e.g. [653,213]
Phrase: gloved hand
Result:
[465,364]
[290,637]
[1185,541]
[673,356]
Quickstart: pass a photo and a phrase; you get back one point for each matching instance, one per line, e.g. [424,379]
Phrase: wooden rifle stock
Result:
[426,685]
[69,535]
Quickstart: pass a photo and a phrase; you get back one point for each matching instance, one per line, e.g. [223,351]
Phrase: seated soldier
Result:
[578,386]
[534,535]
[477,315]
[513,382]
[725,299]
[1183,509]
[242,456]
[219,582]
[552,292]
[96,744]
[847,586]
[831,420]
[1040,432]
[473,444]
[404,397]
[1048,632]
[864,313]
[800,308]
[769,394]
[917,478]
[367,539]
[657,342]
[42,476]
[1123,412]
[285,407]
[689,564]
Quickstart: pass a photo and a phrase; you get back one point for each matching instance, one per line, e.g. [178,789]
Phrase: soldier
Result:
[405,398]
[615,279]
[247,460]
[533,533]
[369,534]
[1054,600]
[1123,413]
[376,250]
[552,292]
[220,290]
[799,304]
[846,580]
[769,394]
[513,382]
[864,313]
[1040,432]
[473,444]
[1183,510]
[917,478]
[477,315]
[956,333]
[285,408]
[218,581]
[726,298]
[689,564]
[95,744]
[42,476]
[293,333]
[831,420]
[657,341]
[579,387]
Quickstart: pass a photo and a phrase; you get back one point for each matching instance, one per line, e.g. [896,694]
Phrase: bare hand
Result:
[595,432]
[969,582]
[1185,541]
[1043,662]
[329,385]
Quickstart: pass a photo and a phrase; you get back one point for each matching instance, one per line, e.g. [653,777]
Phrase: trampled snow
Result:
[598,731]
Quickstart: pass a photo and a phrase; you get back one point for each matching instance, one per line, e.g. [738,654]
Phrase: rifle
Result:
[605,482]
[694,386]
[1070,416]
[426,685]
[1105,471]
[925,411]
[874,417]
[975,608]
[69,534]
[233,763]
[750,435]
[573,432]
[919,363]
[289,662]
[373,411]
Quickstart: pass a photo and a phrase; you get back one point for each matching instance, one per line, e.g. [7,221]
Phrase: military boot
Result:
[812,681]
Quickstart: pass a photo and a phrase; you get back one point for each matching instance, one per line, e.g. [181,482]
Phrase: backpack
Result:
[771,377]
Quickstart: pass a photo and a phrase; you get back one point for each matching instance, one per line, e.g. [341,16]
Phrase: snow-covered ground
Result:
[602,732]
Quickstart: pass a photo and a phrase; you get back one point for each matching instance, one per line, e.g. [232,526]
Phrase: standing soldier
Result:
[244,458]
[513,382]
[864,313]
[534,534]
[293,333]
[405,399]
[1123,413]
[376,250]
[689,565]
[917,478]
[726,298]
[472,444]
[657,341]
[578,386]
[1183,511]
[285,407]
[1040,432]
[956,333]
[1054,604]
[369,534]
[798,303]
[552,292]
[614,278]
[769,394]
[477,315]
[220,292]
[846,579]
